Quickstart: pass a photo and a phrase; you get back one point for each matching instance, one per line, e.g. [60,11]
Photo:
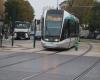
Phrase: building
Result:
[77,3]
[64,4]
[77,7]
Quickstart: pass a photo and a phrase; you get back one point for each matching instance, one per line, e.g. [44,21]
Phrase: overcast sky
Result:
[40,4]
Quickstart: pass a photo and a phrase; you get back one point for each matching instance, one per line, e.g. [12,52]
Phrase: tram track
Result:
[17,54]
[87,70]
[30,59]
[61,64]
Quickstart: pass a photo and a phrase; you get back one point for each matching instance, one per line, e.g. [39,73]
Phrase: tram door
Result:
[66,32]
[73,32]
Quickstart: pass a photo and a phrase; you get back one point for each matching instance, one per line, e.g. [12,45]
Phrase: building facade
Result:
[64,4]
[77,3]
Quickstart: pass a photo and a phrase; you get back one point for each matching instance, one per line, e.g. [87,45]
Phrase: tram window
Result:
[42,22]
[77,29]
[68,25]
[65,30]
[72,29]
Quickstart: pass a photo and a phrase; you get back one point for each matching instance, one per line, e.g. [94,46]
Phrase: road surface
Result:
[22,62]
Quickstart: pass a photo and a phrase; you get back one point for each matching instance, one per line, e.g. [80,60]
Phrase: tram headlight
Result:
[56,40]
[47,39]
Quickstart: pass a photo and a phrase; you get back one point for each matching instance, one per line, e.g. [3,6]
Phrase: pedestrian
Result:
[77,44]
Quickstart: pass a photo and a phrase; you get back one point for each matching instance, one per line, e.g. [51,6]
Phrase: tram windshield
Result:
[53,24]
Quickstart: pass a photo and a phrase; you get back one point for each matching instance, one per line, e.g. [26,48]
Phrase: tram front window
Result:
[53,25]
[53,30]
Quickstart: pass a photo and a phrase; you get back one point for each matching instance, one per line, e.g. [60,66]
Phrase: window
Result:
[65,30]
[72,28]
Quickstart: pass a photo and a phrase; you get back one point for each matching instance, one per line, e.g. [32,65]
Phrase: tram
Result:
[60,29]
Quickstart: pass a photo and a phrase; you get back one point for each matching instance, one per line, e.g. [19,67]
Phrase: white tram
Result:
[60,29]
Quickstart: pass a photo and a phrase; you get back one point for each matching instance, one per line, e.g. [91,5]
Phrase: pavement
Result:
[23,63]
[20,46]
[27,46]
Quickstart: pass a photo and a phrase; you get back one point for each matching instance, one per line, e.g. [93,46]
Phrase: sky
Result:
[39,5]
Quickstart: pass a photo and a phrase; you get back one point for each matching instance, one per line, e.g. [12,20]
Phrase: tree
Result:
[95,18]
[20,10]
[1,8]
[88,12]
[27,12]
[81,9]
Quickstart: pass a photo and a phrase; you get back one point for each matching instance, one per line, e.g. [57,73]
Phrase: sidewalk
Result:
[28,47]
[95,50]
[23,47]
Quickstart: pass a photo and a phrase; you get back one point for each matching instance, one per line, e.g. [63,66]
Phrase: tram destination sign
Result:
[54,18]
